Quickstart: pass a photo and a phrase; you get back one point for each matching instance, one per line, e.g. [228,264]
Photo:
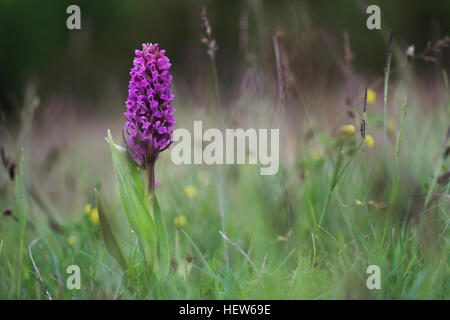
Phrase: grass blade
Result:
[111,242]
[22,211]
[163,242]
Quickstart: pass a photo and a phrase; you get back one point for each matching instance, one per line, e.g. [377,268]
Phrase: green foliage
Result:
[22,212]
[109,236]
[142,210]
[133,202]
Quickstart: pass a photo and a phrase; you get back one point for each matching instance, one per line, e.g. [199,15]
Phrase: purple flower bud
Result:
[149,123]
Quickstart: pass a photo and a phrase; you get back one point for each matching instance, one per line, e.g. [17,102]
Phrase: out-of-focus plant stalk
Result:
[336,176]
[437,169]
[397,155]
[386,86]
[211,48]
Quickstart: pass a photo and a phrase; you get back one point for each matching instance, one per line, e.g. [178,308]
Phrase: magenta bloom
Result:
[150,123]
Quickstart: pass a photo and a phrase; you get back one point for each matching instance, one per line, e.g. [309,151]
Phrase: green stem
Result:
[151,177]
[386,86]
[337,175]
[397,155]
[444,75]
[216,82]
[333,183]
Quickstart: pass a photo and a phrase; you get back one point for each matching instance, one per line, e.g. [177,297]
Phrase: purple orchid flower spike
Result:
[149,125]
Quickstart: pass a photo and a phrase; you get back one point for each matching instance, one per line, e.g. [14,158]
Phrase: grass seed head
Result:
[206,35]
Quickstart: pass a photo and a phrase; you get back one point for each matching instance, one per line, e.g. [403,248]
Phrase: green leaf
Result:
[311,209]
[163,242]
[111,242]
[135,207]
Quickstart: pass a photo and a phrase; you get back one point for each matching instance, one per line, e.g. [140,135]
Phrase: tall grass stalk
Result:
[436,172]
[22,211]
[397,155]
[312,211]
[386,86]
[336,176]
[333,183]
[440,162]
[211,48]
[279,72]
[447,93]
[364,160]
[216,82]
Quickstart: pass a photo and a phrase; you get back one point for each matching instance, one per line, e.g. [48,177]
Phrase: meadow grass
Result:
[247,236]
[336,206]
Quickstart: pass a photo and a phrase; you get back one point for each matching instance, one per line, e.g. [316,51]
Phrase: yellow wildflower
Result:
[390,126]
[371,96]
[190,191]
[347,130]
[87,208]
[94,217]
[369,141]
[180,221]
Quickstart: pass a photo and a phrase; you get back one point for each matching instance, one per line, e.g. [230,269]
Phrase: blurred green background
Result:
[37,46]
